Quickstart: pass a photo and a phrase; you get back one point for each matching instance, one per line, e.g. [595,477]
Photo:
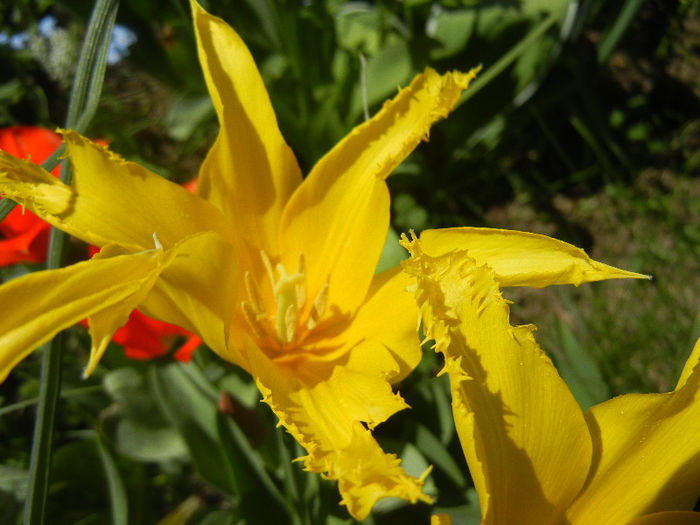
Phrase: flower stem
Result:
[82,106]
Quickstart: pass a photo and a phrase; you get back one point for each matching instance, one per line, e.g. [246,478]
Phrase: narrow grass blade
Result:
[117,493]
[618,29]
[511,56]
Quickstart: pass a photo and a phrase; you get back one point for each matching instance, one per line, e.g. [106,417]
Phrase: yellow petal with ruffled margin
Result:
[250,172]
[324,409]
[522,432]
[678,517]
[40,304]
[33,187]
[647,453]
[339,215]
[110,200]
[521,258]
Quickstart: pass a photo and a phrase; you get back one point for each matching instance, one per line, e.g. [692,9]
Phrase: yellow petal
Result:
[40,304]
[123,203]
[646,455]
[390,318]
[110,201]
[198,289]
[250,172]
[690,365]
[522,432]
[668,518]
[324,408]
[339,215]
[521,258]
[33,187]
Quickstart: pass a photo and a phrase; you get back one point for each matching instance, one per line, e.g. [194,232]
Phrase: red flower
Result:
[24,238]
[144,338]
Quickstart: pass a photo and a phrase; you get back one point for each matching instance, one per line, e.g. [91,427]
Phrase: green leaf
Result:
[143,442]
[386,71]
[469,514]
[392,253]
[437,453]
[14,480]
[579,370]
[117,494]
[186,114]
[247,473]
[194,416]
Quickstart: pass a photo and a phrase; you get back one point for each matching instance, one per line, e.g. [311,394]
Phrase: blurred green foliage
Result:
[583,125]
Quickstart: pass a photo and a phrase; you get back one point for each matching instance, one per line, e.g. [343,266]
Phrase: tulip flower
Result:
[534,456]
[275,274]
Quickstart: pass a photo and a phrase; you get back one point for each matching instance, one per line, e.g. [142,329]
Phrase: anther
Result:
[268,267]
[252,318]
[301,286]
[320,302]
[290,324]
[252,291]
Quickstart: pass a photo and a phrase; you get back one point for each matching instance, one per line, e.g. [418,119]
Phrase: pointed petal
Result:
[250,172]
[646,455]
[33,187]
[690,366]
[109,200]
[666,518]
[521,258]
[324,408]
[522,432]
[103,323]
[339,215]
[43,303]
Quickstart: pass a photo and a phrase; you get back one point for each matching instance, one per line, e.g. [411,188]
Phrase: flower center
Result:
[286,325]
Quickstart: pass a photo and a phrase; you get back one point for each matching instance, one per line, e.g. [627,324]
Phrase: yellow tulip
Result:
[534,456]
[274,273]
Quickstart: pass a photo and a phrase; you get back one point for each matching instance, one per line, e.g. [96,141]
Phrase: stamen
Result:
[301,287]
[320,302]
[290,324]
[268,267]
[253,320]
[253,294]
[290,294]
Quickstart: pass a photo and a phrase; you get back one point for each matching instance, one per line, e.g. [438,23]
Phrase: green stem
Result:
[511,56]
[81,108]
